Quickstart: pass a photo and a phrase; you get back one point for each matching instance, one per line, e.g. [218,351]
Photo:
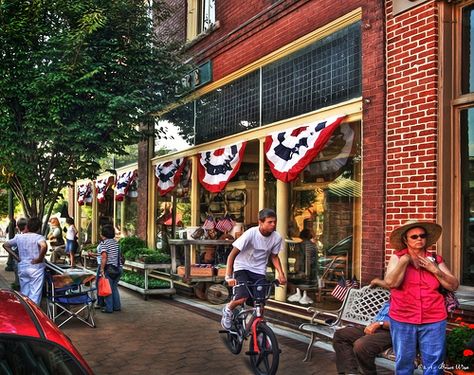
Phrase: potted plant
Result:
[460,348]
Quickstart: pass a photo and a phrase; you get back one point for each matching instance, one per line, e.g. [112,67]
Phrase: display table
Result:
[187,257]
[147,268]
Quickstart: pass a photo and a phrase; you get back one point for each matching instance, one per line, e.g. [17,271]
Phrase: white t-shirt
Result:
[255,250]
[71,233]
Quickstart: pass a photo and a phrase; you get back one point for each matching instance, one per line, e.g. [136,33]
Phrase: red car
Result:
[30,343]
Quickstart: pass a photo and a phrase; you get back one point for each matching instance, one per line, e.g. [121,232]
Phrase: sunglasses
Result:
[415,236]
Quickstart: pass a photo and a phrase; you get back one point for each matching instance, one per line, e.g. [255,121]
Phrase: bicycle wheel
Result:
[266,362]
[233,342]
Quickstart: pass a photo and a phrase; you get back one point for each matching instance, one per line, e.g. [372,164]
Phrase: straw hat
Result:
[432,229]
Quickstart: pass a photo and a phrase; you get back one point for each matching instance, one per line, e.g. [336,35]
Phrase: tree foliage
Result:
[78,79]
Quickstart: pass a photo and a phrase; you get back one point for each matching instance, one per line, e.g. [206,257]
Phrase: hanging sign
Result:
[217,167]
[169,174]
[289,152]
[123,184]
[84,193]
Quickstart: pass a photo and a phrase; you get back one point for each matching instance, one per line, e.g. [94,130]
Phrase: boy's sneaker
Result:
[226,320]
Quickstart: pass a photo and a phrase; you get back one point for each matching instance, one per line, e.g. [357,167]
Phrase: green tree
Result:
[78,79]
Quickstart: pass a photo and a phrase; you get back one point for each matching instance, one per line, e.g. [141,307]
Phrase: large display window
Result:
[324,205]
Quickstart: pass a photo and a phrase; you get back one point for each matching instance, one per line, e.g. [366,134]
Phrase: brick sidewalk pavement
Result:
[166,337]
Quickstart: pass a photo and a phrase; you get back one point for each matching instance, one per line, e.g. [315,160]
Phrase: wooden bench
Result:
[359,307]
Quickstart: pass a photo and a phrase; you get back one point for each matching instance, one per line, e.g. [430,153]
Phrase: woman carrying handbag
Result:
[110,267]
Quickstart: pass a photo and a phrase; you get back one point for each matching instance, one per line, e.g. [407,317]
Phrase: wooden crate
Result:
[221,272]
[197,271]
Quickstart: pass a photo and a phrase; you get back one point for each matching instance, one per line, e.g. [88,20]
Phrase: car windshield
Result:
[29,356]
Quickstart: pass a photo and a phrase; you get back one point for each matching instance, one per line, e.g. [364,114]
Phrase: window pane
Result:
[467,67]
[325,200]
[325,73]
[228,110]
[175,130]
[467,168]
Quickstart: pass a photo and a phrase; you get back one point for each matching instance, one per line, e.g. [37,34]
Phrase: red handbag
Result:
[104,287]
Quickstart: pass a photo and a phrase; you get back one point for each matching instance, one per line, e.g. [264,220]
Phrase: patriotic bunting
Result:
[84,193]
[217,167]
[123,184]
[335,155]
[289,152]
[101,187]
[168,175]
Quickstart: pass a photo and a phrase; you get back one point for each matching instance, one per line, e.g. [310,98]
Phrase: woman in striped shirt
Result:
[110,267]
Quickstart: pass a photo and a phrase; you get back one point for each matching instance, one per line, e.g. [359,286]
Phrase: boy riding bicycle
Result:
[247,262]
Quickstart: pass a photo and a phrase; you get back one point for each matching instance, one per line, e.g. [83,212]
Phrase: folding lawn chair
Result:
[70,295]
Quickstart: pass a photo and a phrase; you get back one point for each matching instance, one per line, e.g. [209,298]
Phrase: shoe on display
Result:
[305,300]
[295,297]
[226,321]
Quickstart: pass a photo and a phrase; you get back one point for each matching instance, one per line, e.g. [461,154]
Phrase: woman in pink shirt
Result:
[417,309]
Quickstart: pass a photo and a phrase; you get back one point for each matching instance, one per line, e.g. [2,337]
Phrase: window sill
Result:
[196,39]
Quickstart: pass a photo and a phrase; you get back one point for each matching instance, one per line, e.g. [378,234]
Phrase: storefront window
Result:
[126,214]
[85,223]
[173,210]
[467,168]
[106,210]
[324,204]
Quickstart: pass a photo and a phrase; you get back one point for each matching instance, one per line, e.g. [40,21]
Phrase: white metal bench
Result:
[358,308]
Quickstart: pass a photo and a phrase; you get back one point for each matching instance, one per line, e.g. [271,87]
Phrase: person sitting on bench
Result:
[357,347]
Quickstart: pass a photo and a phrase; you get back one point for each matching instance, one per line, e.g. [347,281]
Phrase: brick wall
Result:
[173,28]
[412,101]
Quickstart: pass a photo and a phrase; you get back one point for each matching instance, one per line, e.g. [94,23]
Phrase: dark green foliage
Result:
[458,351]
[151,256]
[79,80]
[130,246]
[138,279]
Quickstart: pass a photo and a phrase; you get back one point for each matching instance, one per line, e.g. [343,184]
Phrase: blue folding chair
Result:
[70,295]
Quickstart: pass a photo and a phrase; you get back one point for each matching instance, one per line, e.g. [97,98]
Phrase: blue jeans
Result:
[431,341]
[112,302]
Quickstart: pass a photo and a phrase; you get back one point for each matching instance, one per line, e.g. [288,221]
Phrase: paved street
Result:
[164,336]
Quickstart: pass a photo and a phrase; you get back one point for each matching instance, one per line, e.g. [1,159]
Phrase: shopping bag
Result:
[104,287]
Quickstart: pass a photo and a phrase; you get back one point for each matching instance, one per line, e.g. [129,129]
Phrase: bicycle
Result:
[263,353]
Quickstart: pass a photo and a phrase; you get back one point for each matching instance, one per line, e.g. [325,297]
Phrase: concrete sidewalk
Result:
[175,336]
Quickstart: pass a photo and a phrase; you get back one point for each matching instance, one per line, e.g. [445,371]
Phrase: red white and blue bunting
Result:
[289,152]
[101,187]
[169,174]
[84,194]
[329,163]
[217,167]
[123,184]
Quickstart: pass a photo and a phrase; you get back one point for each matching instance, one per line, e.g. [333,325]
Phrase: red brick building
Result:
[400,71]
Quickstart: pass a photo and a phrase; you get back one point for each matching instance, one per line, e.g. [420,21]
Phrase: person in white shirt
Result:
[71,240]
[32,248]
[247,262]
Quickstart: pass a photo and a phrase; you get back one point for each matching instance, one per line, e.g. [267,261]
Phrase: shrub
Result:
[129,246]
[459,346]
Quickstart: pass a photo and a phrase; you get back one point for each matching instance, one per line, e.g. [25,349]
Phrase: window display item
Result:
[305,300]
[295,297]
